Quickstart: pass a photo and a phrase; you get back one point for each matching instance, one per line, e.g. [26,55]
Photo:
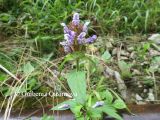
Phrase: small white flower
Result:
[64,106]
[98,104]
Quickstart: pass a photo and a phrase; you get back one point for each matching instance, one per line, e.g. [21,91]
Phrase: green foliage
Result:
[125,69]
[106,56]
[74,57]
[28,68]
[42,17]
[111,105]
[77,84]
[142,50]
[89,106]
[155,64]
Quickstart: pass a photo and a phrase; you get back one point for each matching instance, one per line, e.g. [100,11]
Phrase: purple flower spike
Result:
[76,19]
[81,38]
[75,35]
[85,26]
[91,39]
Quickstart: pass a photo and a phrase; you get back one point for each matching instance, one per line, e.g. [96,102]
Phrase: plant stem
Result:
[77,62]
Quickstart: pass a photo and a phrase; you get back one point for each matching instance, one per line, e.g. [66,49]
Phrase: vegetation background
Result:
[30,33]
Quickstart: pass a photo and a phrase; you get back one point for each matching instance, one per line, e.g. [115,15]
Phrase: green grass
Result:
[39,20]
[42,17]
[34,28]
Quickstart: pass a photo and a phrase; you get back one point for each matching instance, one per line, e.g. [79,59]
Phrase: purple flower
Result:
[98,104]
[67,49]
[76,31]
[66,46]
[81,38]
[76,20]
[65,28]
[91,39]
[85,26]
[70,37]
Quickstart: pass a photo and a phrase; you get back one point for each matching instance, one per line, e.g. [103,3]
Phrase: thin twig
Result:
[8,72]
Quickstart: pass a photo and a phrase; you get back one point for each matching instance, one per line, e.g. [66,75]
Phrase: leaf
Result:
[77,83]
[111,112]
[95,113]
[2,77]
[5,17]
[32,83]
[77,110]
[119,104]
[125,68]
[70,57]
[28,68]
[14,90]
[106,56]
[109,96]
[155,64]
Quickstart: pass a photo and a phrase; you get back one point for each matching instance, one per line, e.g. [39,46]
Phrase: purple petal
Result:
[66,46]
[67,49]
[81,37]
[65,28]
[91,39]
[68,38]
[72,33]
[76,19]
[85,26]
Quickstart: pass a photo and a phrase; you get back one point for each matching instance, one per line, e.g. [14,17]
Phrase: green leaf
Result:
[77,110]
[106,56]
[125,68]
[109,96]
[77,83]
[2,77]
[111,112]
[32,83]
[5,17]
[119,104]
[28,68]
[14,90]
[95,113]
[70,57]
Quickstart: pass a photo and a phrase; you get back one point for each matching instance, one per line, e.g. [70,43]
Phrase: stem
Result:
[77,62]
[88,74]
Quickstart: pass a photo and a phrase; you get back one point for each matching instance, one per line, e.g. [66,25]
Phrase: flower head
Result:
[76,20]
[75,35]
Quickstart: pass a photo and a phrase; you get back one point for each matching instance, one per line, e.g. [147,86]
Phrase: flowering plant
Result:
[86,104]
[75,35]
